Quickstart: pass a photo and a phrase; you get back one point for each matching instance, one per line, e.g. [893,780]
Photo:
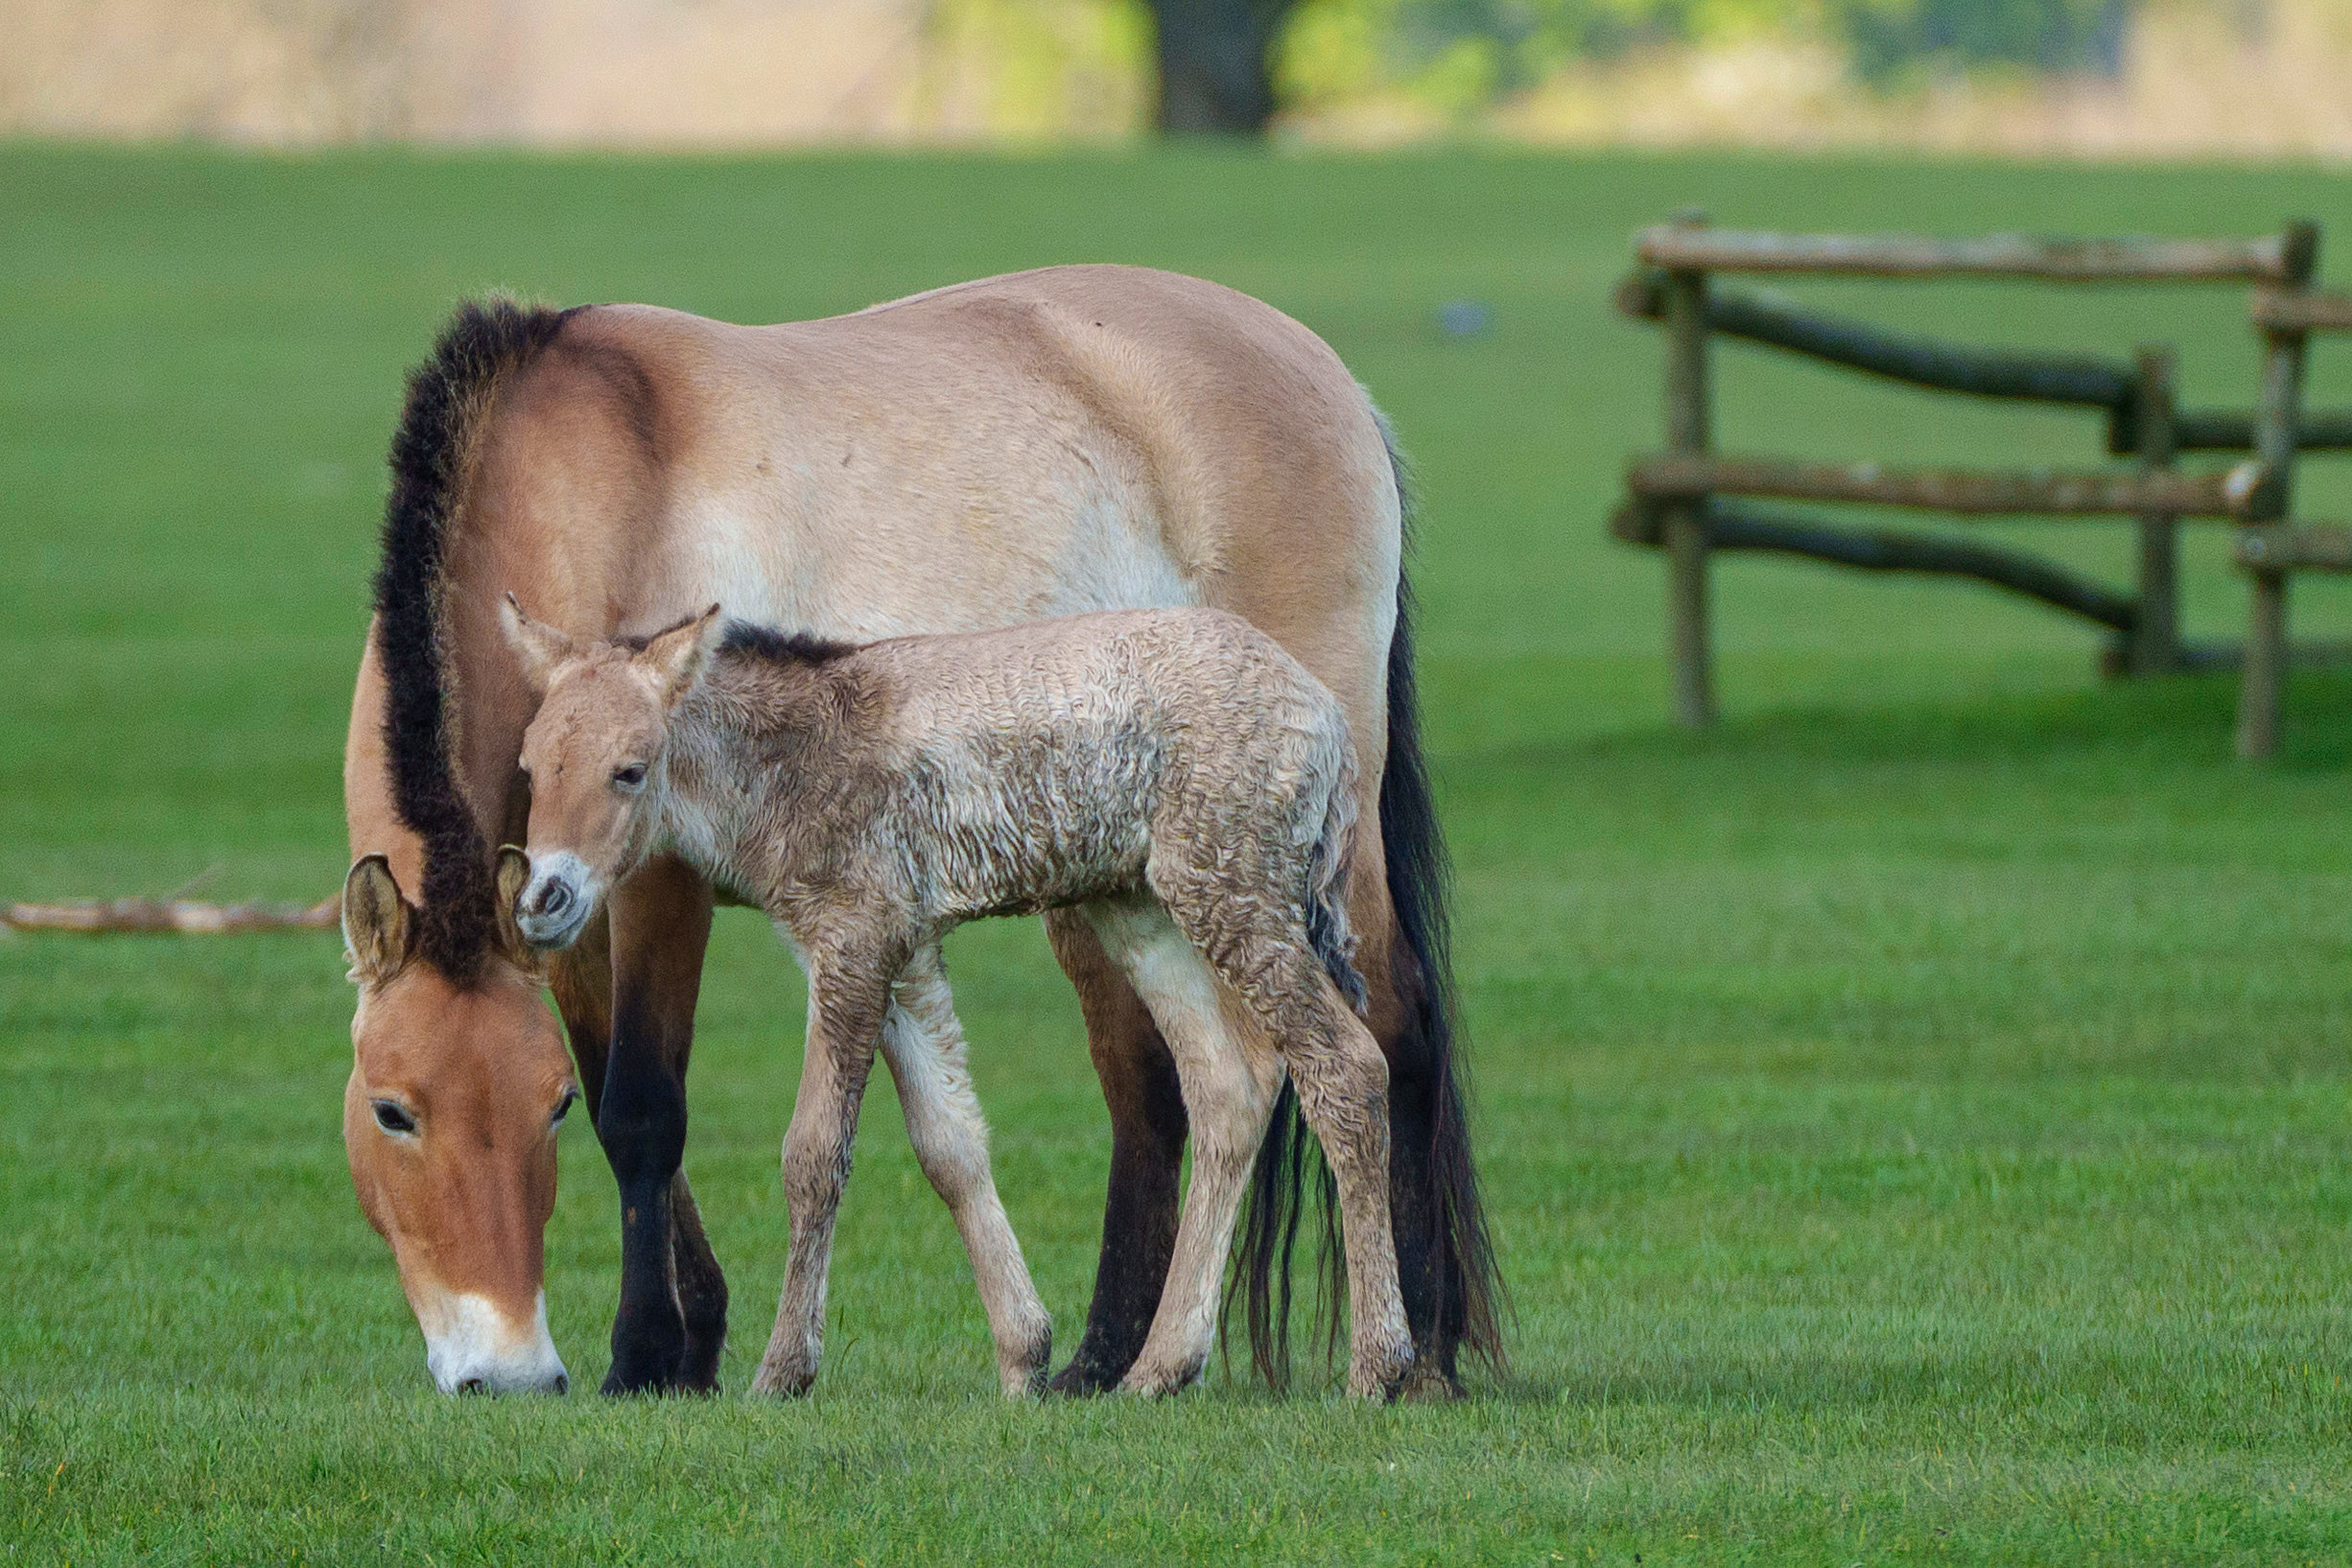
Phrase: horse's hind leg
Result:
[925,1047]
[848,997]
[1231,1076]
[1145,1100]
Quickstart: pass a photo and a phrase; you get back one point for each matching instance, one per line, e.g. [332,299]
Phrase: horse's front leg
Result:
[849,993]
[924,1047]
[671,1320]
[1141,1090]
[581,978]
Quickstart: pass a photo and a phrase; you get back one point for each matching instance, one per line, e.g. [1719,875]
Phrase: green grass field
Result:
[1914,1116]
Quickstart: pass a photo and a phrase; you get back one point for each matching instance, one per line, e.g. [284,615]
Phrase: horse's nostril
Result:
[554,899]
[563,1384]
[473,1385]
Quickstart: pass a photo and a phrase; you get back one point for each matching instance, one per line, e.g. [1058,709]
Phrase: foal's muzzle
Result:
[553,907]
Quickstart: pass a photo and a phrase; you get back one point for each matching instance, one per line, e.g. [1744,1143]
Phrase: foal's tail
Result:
[1327,890]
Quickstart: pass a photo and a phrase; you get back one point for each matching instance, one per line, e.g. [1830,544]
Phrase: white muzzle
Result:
[472,1347]
[553,907]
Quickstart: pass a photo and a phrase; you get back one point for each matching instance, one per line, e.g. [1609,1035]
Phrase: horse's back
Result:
[1044,443]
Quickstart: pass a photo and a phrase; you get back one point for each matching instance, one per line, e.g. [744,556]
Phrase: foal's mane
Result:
[448,396]
[769,645]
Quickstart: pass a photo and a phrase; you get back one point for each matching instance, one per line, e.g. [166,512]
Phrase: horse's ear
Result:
[514,876]
[677,656]
[540,647]
[379,928]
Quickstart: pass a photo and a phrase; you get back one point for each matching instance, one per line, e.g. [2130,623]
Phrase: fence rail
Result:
[2240,492]
[2278,309]
[1885,549]
[2286,258]
[2077,380]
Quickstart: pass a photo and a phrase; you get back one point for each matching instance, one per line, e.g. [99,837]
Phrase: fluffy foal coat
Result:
[1174,775]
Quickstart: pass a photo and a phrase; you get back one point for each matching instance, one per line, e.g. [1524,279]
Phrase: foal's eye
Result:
[563,1107]
[393,1117]
[630,777]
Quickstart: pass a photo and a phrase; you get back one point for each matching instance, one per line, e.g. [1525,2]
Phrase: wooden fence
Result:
[1691,502]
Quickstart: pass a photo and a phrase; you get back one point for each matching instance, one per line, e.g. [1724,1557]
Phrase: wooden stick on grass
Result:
[149,914]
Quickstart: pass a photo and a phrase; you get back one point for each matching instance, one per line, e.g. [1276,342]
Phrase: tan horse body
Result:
[1172,775]
[1045,444]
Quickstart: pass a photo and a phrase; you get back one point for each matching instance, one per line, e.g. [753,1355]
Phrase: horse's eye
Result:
[393,1117]
[563,1107]
[629,777]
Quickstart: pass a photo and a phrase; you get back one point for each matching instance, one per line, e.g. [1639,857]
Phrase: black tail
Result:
[1468,1290]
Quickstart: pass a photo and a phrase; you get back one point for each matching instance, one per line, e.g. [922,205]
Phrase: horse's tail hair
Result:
[1468,1285]
[449,402]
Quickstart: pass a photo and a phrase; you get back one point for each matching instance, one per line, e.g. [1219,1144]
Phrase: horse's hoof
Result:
[1427,1385]
[1081,1379]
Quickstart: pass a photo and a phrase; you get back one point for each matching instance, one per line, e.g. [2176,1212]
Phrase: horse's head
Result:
[450,1118]
[603,716]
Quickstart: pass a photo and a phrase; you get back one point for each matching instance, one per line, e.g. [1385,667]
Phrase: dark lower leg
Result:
[643,1127]
[660,922]
[1431,1287]
[703,1291]
[582,981]
[1147,1142]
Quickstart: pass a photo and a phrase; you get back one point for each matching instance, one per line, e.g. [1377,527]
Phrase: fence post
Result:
[1684,522]
[2155,636]
[2275,422]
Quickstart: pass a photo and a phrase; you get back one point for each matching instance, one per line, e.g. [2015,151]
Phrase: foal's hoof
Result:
[785,1382]
[1160,1382]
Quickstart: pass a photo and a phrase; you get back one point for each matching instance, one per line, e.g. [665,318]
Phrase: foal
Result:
[1174,774]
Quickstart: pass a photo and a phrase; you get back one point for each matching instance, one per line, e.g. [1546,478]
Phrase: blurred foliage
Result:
[1033,69]
[1458,55]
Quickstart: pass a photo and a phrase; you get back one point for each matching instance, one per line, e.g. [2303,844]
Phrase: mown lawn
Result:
[1914,1116]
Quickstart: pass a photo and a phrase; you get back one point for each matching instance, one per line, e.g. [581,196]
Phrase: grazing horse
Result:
[1072,439]
[1172,775]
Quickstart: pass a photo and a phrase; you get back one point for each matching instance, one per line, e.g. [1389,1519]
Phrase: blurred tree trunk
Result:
[1216,75]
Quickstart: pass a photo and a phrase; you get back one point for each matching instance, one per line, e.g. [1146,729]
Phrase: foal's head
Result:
[603,718]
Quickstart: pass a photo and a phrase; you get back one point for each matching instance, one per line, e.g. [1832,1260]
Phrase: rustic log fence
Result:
[1676,500]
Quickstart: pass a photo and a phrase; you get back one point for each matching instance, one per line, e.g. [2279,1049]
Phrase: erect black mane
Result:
[779,648]
[447,396]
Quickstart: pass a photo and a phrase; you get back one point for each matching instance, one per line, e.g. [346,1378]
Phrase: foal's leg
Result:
[1231,1076]
[925,1047]
[848,996]
[1343,1092]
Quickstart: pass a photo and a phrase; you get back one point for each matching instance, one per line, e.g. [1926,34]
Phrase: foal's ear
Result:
[514,876]
[540,647]
[676,657]
[379,928]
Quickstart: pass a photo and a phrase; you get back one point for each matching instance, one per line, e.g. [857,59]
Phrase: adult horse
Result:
[1070,439]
